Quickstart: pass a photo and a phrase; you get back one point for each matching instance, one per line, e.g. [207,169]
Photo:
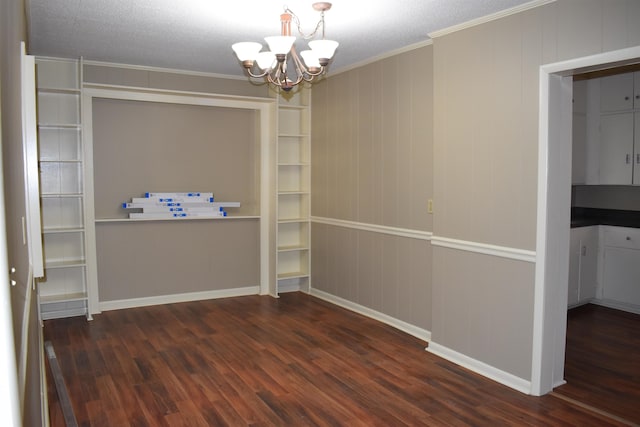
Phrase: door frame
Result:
[553,211]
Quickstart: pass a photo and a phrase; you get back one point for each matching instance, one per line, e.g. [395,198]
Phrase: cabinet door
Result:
[636,90]
[621,273]
[636,147]
[616,92]
[588,264]
[574,267]
[616,149]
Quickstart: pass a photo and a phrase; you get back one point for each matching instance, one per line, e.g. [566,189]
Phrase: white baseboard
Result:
[481,368]
[559,383]
[415,331]
[629,308]
[170,299]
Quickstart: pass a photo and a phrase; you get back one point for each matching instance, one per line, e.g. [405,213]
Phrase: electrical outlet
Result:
[430,206]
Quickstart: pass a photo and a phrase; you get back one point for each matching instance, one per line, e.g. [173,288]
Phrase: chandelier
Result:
[281,65]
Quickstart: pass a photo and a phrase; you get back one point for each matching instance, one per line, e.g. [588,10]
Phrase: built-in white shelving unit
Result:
[63,290]
[293,192]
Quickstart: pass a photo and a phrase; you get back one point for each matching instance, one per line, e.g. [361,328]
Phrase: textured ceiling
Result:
[197,35]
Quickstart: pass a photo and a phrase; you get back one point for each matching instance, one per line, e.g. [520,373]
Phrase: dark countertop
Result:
[584,217]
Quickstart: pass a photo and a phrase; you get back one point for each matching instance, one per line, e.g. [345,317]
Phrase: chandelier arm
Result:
[300,67]
[274,82]
[257,76]
[312,74]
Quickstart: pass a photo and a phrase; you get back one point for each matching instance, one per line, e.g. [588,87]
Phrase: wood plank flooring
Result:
[602,366]
[260,361]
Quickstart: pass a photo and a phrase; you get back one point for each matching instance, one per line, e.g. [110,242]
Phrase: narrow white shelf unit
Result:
[63,290]
[293,186]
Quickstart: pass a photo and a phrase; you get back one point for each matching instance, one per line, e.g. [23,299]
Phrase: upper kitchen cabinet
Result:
[612,126]
[619,149]
[620,92]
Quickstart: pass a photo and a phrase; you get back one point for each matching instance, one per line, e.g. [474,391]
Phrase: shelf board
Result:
[59,126]
[60,161]
[231,217]
[292,220]
[61,90]
[293,135]
[292,193]
[61,195]
[292,275]
[48,299]
[294,164]
[65,264]
[293,248]
[62,230]
[292,107]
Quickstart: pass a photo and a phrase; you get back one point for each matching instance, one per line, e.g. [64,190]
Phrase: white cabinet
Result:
[293,192]
[63,290]
[619,138]
[583,265]
[621,268]
[617,92]
[617,159]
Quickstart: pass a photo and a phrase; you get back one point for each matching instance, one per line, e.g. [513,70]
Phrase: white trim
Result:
[162,70]
[546,316]
[488,18]
[264,107]
[484,248]
[410,329]
[481,368]
[618,305]
[24,340]
[380,57]
[176,298]
[195,218]
[374,228]
[31,169]
[131,93]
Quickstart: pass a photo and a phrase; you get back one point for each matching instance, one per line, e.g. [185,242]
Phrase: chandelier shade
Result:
[266,60]
[324,49]
[310,59]
[280,45]
[246,51]
[280,65]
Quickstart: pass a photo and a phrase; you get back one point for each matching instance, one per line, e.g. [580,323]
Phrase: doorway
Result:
[553,211]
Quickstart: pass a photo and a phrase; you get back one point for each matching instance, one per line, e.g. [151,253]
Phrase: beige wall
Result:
[485,163]
[141,147]
[155,258]
[146,146]
[372,164]
[372,143]
[12,32]
[483,179]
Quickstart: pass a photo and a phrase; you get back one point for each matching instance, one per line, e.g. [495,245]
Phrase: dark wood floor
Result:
[602,366]
[260,361]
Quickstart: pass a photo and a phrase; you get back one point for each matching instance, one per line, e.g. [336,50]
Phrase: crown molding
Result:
[488,18]
[380,57]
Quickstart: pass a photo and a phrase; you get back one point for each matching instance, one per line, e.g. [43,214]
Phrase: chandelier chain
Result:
[312,34]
